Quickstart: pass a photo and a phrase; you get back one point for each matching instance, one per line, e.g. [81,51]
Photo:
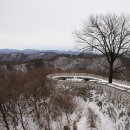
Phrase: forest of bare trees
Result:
[27,96]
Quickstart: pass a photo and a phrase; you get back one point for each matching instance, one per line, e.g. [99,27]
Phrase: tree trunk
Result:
[37,112]
[4,117]
[21,116]
[66,128]
[75,126]
[111,72]
[67,117]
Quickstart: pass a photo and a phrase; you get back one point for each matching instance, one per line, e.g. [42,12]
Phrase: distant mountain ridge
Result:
[7,51]
[13,55]
[33,51]
[21,57]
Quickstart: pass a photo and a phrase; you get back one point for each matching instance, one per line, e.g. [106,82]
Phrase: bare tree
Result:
[109,35]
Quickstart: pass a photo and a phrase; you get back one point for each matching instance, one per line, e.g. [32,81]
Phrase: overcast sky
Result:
[48,24]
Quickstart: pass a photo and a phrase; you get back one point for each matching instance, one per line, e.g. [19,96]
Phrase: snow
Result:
[103,122]
[75,79]
[80,116]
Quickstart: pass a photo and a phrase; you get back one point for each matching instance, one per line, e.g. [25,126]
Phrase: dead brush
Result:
[92,118]
[63,101]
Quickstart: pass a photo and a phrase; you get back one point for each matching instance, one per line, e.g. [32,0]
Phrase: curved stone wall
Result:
[118,94]
[87,75]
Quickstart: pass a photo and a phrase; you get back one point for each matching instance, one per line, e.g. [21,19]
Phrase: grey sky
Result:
[48,24]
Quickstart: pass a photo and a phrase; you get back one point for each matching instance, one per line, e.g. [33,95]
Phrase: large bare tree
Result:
[107,34]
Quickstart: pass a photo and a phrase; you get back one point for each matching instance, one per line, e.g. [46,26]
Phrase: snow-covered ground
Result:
[93,112]
[82,114]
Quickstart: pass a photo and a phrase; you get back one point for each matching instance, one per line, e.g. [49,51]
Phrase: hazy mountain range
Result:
[33,51]
[13,55]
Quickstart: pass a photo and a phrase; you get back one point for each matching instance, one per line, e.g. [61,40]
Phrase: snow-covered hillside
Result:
[74,109]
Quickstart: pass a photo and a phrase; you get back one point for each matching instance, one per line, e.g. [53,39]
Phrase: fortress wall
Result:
[113,93]
[89,75]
